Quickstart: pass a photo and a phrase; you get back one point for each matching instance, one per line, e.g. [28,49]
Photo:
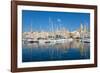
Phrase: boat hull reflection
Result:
[70,50]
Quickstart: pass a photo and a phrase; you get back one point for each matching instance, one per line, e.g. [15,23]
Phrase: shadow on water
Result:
[74,50]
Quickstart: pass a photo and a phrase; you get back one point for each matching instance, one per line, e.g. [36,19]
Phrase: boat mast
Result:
[51,24]
[31,28]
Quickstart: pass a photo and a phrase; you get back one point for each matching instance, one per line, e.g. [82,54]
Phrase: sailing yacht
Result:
[50,39]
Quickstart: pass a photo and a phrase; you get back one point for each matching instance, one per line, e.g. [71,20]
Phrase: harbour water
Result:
[73,50]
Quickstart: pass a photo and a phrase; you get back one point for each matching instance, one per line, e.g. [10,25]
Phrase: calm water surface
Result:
[74,50]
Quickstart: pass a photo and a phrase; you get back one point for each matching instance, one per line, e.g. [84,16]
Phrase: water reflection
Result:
[59,51]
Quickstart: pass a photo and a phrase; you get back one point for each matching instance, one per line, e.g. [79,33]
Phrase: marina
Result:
[53,36]
[58,44]
[60,35]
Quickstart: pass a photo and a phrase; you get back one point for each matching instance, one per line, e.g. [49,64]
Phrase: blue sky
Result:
[43,20]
